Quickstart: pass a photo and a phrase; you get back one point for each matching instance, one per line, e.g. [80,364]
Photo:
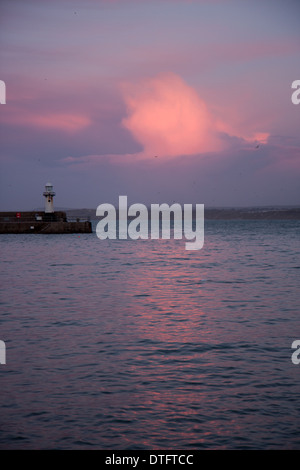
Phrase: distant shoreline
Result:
[247,213]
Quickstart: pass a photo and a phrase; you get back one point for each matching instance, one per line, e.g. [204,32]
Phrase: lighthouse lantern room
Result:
[49,194]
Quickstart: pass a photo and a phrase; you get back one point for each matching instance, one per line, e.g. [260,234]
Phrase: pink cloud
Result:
[68,122]
[169,119]
[235,130]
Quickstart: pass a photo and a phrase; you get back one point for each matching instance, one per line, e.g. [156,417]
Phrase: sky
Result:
[163,101]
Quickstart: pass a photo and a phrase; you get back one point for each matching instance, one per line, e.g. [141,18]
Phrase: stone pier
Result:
[41,222]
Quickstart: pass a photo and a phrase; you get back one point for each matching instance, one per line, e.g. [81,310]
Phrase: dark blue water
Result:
[143,345]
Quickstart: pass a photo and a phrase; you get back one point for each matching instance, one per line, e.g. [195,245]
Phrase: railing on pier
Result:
[27,220]
[77,219]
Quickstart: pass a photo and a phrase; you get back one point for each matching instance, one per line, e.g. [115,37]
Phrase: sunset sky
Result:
[161,100]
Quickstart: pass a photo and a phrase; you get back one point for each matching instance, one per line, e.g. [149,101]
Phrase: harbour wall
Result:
[40,222]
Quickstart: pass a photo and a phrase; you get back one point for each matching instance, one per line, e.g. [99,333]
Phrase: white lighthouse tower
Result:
[49,194]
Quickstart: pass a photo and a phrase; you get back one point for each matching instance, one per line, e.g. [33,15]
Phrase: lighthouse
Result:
[49,194]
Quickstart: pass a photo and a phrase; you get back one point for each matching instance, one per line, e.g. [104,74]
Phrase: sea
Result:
[142,344]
